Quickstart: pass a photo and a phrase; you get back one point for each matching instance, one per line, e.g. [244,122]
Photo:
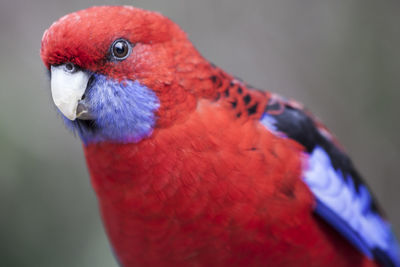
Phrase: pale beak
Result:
[68,85]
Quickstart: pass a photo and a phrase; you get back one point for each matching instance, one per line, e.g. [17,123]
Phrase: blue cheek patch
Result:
[124,111]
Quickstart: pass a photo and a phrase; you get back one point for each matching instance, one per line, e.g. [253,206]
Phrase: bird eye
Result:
[120,49]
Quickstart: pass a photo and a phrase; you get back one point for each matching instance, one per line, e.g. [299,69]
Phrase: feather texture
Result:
[193,167]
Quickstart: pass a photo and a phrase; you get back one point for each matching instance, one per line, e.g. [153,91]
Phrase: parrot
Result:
[192,166]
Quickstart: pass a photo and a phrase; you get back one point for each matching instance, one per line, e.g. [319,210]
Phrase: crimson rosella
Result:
[194,167]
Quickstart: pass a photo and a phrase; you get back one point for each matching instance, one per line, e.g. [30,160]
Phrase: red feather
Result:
[211,186]
[195,194]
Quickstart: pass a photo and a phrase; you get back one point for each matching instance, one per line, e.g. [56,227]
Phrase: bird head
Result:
[119,72]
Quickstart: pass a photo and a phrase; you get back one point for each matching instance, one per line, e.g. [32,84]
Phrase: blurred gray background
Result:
[339,57]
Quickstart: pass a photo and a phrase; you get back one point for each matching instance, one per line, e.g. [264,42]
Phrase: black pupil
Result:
[120,49]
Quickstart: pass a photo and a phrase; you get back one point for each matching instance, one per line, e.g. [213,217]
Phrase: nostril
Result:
[69,67]
[83,97]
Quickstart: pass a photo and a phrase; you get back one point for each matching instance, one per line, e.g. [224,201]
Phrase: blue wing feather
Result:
[344,208]
[342,198]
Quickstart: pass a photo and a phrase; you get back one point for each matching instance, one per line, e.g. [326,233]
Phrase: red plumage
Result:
[211,186]
[196,195]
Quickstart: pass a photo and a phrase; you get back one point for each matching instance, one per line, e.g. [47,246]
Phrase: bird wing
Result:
[343,199]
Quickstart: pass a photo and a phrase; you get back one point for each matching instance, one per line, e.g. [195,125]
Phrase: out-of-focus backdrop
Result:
[340,58]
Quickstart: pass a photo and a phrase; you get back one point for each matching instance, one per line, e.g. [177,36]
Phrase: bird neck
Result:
[205,81]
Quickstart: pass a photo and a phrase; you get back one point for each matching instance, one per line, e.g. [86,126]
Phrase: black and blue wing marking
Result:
[343,200]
